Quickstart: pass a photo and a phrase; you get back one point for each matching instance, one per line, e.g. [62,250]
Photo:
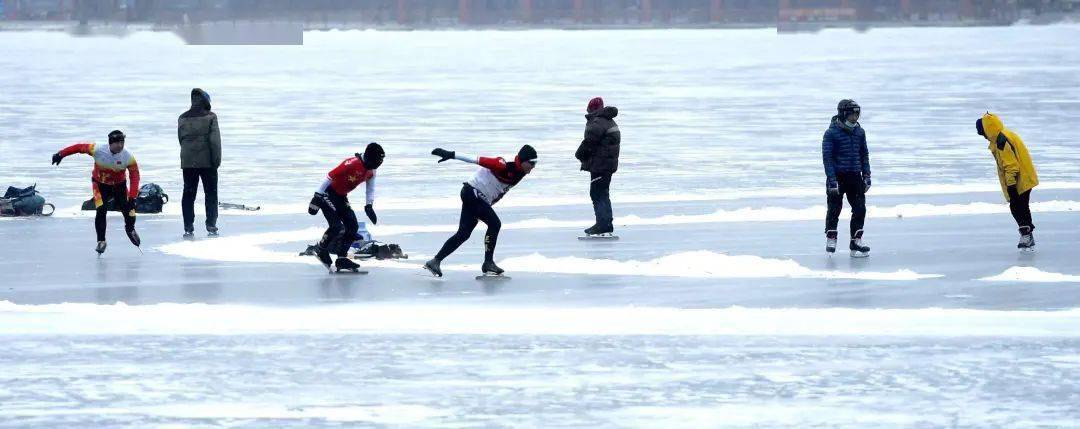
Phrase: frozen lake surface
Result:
[717,308]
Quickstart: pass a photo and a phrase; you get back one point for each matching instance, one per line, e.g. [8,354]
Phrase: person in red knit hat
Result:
[599,155]
[112,164]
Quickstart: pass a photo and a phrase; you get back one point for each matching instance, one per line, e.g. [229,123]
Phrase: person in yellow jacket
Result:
[1015,171]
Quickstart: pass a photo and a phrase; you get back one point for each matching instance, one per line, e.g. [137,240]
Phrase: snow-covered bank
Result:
[702,263]
[1031,274]
[199,319]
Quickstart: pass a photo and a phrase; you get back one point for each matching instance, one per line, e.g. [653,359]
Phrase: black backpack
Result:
[24,202]
[151,199]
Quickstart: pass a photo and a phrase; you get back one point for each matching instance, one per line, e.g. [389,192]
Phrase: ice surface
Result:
[717,308]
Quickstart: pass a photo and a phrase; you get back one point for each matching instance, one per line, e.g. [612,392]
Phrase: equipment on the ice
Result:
[433,266]
[151,199]
[24,202]
[830,241]
[443,154]
[344,264]
[232,206]
[1027,239]
[605,236]
[367,249]
[100,248]
[369,210]
[373,156]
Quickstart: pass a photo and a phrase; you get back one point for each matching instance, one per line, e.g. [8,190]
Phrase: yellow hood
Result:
[992,126]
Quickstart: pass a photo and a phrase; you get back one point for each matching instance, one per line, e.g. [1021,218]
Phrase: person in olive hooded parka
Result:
[200,157]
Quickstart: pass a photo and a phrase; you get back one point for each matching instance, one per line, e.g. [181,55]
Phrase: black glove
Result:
[313,206]
[371,214]
[56,158]
[443,154]
[866,181]
[831,187]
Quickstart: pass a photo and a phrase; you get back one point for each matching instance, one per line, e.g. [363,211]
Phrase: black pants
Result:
[1020,206]
[601,198]
[341,220]
[473,210]
[191,187]
[850,184]
[118,194]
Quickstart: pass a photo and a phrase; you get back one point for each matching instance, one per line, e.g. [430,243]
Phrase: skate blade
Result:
[604,236]
[429,275]
[860,255]
[358,271]
[491,277]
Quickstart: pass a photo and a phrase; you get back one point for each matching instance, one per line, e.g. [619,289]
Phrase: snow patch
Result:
[485,319]
[701,263]
[1030,274]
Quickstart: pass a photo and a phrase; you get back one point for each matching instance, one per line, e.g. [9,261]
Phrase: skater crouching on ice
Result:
[332,198]
[112,163]
[493,180]
[847,172]
[1016,173]
[599,155]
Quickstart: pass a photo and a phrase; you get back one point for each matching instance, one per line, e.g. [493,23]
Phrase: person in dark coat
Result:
[847,172]
[200,157]
[599,155]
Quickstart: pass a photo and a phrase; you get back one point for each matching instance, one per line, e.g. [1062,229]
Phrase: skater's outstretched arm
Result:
[444,155]
[81,147]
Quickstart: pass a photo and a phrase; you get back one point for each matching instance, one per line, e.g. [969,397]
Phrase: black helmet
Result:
[116,136]
[373,156]
[526,154]
[847,107]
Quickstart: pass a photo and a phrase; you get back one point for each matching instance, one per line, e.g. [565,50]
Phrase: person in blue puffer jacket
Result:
[847,172]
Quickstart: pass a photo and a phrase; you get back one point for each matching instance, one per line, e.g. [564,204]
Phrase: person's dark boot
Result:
[489,268]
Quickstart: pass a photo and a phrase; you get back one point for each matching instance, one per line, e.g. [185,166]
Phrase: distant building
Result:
[539,13]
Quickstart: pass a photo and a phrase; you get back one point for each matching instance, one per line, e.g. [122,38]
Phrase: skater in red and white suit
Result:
[332,198]
[112,165]
[492,180]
